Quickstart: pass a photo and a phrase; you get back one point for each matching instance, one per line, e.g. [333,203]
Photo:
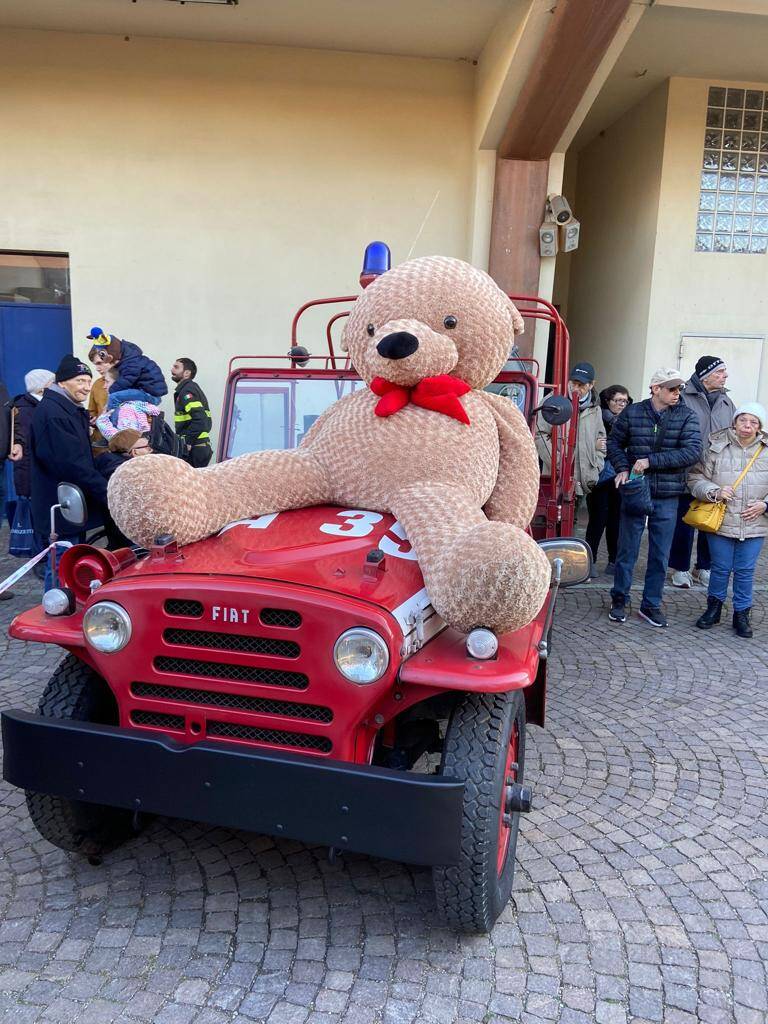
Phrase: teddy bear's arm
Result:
[517,486]
[160,494]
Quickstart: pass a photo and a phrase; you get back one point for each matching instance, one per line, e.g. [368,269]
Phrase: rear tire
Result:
[76,693]
[485,737]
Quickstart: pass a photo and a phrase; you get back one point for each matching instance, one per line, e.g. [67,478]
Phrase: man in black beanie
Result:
[60,450]
[705,393]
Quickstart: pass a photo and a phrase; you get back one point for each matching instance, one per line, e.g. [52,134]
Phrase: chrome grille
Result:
[280,617]
[275,737]
[179,606]
[232,642]
[158,719]
[259,705]
[235,673]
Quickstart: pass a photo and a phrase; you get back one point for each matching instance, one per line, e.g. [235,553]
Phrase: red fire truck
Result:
[289,676]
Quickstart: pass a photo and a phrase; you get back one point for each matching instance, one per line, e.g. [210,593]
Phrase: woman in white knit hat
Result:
[736,546]
[24,405]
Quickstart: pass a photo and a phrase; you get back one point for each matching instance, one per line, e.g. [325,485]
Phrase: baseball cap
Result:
[583,372]
[667,378]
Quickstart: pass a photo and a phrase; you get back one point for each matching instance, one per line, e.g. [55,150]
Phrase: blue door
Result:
[32,336]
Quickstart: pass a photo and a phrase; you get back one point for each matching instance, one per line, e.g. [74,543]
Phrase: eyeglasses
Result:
[139,448]
[619,401]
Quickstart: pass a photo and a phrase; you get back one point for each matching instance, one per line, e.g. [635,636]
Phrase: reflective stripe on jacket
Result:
[192,417]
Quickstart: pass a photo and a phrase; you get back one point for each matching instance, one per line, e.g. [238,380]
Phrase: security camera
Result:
[561,211]
[548,239]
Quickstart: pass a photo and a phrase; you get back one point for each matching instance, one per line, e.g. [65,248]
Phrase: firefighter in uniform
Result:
[191,413]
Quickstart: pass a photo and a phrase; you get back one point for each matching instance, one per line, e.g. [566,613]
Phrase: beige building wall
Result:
[617,203]
[716,294]
[204,190]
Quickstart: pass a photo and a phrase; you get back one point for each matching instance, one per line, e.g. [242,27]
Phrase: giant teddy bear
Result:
[455,464]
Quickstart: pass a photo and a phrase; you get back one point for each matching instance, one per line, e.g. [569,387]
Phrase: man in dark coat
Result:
[706,394]
[658,438]
[60,450]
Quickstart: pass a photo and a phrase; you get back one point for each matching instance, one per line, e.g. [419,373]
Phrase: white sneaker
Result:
[682,579]
[702,576]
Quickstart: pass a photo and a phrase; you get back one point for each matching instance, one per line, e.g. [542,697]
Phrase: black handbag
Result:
[636,497]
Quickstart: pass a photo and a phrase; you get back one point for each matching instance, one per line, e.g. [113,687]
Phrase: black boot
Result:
[711,616]
[741,623]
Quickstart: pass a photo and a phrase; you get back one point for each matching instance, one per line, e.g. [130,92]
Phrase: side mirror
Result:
[72,504]
[571,560]
[556,410]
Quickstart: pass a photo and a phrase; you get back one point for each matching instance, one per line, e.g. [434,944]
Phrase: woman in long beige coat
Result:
[736,546]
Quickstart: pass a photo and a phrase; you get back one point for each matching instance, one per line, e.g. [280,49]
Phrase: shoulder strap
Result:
[661,430]
[748,466]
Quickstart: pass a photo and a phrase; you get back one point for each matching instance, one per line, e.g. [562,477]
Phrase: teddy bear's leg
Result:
[477,573]
[159,494]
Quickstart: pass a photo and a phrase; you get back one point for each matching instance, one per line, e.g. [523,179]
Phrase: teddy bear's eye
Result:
[371,330]
[450,321]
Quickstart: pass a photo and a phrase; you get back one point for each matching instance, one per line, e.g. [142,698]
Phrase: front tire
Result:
[76,693]
[485,747]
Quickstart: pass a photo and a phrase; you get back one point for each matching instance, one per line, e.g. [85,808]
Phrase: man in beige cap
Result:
[656,439]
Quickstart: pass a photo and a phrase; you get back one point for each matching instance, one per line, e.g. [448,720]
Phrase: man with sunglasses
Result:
[659,439]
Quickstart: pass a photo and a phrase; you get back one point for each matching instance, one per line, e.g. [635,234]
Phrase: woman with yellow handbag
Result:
[731,483]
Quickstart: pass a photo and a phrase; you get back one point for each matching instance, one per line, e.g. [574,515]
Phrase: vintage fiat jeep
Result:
[289,675]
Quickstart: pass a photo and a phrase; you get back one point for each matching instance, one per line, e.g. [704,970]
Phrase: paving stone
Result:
[640,890]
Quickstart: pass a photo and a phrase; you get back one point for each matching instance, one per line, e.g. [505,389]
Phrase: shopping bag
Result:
[22,540]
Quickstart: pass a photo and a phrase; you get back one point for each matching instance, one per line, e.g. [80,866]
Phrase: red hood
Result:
[323,547]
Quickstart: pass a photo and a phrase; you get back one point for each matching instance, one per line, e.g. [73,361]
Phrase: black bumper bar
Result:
[402,816]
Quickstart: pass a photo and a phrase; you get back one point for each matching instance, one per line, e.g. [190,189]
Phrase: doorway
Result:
[35,320]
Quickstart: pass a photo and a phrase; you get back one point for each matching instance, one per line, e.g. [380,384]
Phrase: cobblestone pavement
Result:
[640,892]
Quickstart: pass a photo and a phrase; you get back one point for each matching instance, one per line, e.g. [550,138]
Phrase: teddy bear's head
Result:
[430,316]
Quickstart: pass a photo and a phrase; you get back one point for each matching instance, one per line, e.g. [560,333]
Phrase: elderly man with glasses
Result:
[658,439]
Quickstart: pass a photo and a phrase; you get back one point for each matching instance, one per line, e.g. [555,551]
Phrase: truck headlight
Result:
[107,627]
[361,655]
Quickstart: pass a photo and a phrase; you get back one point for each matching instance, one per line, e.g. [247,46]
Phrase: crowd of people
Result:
[657,464]
[70,425]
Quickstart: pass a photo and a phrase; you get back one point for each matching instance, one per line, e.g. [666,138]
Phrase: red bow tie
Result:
[441,394]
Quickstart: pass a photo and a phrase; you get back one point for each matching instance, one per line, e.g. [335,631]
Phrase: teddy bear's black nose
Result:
[397,345]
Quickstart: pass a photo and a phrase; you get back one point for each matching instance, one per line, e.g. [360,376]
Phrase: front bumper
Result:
[402,816]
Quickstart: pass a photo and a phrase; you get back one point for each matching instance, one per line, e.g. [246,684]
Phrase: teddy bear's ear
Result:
[518,324]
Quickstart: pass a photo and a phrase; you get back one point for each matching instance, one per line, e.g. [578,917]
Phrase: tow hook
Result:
[518,798]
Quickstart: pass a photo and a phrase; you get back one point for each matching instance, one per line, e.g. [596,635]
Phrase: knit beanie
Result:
[70,367]
[36,380]
[752,409]
[707,365]
[124,440]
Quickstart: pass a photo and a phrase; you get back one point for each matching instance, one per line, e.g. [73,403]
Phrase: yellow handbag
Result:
[708,516]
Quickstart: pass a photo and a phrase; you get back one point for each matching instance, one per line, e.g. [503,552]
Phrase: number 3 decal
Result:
[392,547]
[356,524]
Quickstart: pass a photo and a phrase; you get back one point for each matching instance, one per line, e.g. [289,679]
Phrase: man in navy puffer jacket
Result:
[658,438]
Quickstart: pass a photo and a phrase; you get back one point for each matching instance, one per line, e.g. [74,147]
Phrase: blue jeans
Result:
[130,395]
[682,542]
[661,526]
[738,557]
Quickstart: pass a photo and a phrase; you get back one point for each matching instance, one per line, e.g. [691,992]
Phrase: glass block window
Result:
[733,198]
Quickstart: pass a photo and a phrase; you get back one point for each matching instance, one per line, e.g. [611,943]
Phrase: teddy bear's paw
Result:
[496,576]
[152,495]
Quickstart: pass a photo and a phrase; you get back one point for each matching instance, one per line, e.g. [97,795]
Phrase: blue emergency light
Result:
[377,260]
